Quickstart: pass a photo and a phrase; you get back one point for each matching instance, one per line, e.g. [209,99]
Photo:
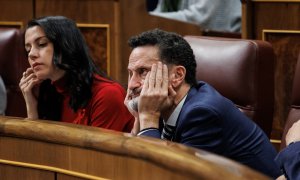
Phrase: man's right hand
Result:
[155,97]
[293,134]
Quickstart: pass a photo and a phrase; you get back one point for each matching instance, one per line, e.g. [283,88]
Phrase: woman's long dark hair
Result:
[71,55]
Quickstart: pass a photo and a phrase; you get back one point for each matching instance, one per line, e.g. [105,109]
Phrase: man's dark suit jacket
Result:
[211,122]
[289,160]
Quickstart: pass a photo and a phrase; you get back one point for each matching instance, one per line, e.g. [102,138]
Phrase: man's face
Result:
[140,62]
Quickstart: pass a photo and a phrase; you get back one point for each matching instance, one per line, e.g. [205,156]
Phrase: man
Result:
[289,158]
[169,103]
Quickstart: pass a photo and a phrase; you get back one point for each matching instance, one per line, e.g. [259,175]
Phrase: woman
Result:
[62,82]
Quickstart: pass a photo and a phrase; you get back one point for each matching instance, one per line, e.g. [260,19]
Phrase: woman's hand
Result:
[29,85]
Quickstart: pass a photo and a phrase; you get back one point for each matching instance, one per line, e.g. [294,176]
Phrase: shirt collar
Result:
[174,116]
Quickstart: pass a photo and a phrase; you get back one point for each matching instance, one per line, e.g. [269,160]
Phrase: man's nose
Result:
[134,82]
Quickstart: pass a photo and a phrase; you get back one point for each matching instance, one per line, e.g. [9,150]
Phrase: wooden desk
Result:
[36,149]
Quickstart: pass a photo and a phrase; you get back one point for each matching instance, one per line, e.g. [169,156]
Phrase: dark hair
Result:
[71,55]
[173,49]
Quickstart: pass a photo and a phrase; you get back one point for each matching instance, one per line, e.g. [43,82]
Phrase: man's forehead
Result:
[143,56]
[142,62]
[150,51]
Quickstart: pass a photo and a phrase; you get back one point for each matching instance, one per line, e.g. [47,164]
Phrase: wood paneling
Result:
[16,10]
[276,19]
[67,177]
[88,12]
[8,172]
[15,13]
[287,46]
[97,38]
[108,154]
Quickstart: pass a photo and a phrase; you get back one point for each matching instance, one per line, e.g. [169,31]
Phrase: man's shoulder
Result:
[205,97]
[204,94]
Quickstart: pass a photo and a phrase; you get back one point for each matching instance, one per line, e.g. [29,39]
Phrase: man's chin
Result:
[133,104]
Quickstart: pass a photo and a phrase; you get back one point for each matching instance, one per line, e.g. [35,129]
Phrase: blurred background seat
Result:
[242,71]
[13,63]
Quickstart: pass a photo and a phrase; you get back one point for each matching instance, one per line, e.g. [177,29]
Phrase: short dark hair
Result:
[71,54]
[173,49]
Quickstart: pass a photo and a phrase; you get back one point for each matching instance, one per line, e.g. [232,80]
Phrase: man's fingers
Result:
[159,76]
[152,77]
[146,83]
[165,77]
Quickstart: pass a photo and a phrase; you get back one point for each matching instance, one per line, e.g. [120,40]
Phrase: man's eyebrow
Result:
[143,67]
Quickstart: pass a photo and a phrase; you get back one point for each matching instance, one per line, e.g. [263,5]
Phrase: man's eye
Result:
[143,72]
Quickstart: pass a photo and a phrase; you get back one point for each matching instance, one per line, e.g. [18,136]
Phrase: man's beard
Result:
[133,103]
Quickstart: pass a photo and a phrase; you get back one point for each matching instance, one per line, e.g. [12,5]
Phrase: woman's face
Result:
[40,54]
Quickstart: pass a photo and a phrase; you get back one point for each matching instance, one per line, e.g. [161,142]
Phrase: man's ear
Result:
[177,76]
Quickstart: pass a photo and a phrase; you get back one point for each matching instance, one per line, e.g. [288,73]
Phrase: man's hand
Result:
[155,97]
[293,133]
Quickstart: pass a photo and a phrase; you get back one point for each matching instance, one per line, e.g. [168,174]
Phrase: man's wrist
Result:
[149,120]
[146,129]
